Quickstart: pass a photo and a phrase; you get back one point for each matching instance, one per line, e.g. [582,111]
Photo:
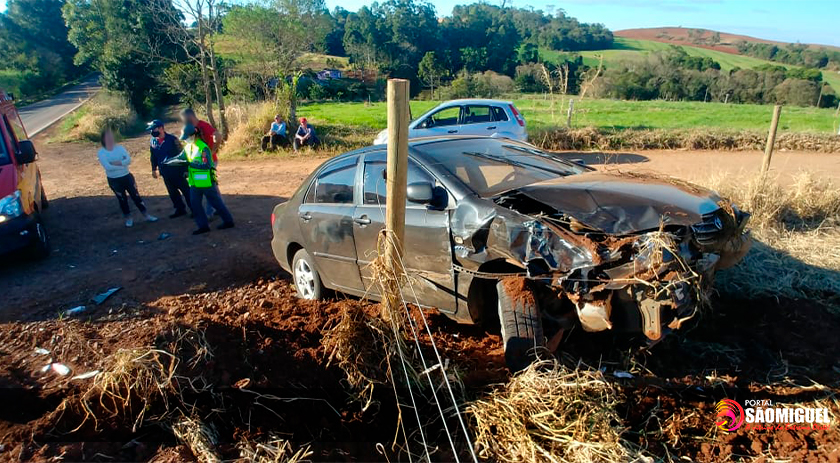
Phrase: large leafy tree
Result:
[116,37]
[33,39]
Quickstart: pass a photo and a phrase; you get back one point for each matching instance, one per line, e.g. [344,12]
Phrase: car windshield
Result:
[491,167]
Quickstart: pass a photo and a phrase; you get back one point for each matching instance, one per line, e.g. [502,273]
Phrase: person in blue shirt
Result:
[163,146]
[276,135]
[305,135]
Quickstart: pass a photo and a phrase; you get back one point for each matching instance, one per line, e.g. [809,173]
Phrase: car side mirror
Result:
[421,192]
[26,153]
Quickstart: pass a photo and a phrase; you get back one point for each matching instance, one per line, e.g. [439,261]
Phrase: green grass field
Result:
[629,49]
[603,114]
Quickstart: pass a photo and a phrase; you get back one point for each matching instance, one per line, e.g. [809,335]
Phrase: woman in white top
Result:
[115,159]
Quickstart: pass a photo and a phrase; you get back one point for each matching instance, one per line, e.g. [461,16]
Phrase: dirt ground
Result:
[270,372]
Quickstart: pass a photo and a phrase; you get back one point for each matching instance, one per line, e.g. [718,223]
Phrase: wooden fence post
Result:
[397,173]
[771,140]
[569,114]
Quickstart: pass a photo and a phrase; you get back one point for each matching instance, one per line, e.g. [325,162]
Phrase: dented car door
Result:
[428,256]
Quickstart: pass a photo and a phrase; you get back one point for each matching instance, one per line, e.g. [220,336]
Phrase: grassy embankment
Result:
[106,109]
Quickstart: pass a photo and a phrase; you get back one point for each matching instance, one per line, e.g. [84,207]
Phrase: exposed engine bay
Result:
[627,255]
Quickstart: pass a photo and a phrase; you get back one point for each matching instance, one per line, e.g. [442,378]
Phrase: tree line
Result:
[796,54]
[673,75]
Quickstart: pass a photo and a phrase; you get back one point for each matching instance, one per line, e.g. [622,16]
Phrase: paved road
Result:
[38,116]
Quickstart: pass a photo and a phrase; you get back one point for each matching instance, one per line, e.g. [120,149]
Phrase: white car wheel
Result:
[307,280]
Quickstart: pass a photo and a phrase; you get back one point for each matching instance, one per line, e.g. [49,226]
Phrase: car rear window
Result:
[334,185]
[499,114]
[491,167]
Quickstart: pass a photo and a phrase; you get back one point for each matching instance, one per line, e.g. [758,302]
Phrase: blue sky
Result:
[807,21]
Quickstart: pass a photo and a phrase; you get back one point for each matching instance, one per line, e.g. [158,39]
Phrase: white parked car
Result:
[467,117]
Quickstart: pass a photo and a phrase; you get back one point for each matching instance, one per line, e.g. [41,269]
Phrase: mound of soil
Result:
[270,376]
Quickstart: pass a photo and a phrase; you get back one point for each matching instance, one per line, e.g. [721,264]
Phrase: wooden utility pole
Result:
[771,140]
[395,182]
[569,114]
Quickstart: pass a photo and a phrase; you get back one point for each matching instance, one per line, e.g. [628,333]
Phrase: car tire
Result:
[306,278]
[521,325]
[45,203]
[40,247]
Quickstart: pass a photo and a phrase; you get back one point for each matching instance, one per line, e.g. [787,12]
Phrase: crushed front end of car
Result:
[621,261]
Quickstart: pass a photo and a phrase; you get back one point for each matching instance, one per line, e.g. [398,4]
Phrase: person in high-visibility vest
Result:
[201,175]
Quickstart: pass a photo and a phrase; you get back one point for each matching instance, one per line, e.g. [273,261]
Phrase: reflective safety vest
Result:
[198,177]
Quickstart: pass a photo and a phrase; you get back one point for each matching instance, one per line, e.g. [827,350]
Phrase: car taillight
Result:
[517,116]
[272,219]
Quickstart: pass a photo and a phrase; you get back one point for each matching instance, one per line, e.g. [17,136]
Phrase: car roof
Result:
[422,141]
[476,101]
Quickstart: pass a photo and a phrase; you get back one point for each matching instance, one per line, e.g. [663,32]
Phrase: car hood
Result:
[626,203]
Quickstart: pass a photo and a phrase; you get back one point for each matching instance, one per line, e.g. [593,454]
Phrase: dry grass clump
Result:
[248,123]
[550,413]
[139,380]
[199,437]
[275,450]
[131,382]
[357,345]
[106,109]
[592,138]
[797,237]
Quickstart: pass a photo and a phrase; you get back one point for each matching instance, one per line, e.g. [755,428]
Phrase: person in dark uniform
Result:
[163,146]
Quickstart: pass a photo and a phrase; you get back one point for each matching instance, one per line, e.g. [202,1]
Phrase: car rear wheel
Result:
[521,325]
[40,247]
[307,281]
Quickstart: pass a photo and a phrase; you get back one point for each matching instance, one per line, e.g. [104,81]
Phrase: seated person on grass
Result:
[305,135]
[276,135]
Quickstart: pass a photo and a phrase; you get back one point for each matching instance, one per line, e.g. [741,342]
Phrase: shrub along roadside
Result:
[106,109]
[594,139]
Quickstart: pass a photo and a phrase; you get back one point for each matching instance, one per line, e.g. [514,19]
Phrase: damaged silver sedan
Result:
[498,231]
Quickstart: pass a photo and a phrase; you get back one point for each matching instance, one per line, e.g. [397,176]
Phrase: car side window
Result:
[444,117]
[477,115]
[4,155]
[15,133]
[375,192]
[499,114]
[335,184]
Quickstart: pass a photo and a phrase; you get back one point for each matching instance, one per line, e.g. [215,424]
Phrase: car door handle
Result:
[491,128]
[452,131]
[306,217]
[363,220]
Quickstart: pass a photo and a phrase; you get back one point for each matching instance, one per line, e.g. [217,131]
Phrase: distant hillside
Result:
[629,49]
[702,38]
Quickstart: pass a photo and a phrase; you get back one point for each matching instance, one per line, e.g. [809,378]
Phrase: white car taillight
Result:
[517,116]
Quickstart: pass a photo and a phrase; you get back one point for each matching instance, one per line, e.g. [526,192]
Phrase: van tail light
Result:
[272,219]
[517,116]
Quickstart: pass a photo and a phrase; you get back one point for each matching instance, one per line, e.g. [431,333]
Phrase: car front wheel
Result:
[40,247]
[521,325]
[307,281]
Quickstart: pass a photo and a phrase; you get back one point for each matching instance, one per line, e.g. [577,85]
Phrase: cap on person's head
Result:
[187,131]
[303,120]
[154,124]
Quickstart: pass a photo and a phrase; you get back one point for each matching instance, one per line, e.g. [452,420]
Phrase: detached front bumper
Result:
[16,233]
